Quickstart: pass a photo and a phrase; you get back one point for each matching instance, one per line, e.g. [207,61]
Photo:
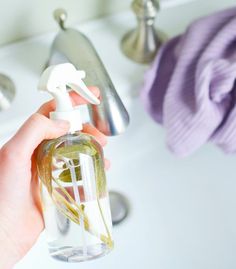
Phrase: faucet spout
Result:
[70,45]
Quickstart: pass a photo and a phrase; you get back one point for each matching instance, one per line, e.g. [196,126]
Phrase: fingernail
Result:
[63,124]
[96,91]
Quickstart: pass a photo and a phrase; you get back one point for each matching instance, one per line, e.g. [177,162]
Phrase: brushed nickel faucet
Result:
[142,44]
[70,45]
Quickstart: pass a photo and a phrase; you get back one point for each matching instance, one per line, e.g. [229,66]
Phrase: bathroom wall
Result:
[23,18]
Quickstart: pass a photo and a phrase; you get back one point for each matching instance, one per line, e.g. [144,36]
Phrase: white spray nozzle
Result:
[54,80]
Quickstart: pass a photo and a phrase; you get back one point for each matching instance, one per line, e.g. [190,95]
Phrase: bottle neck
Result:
[73,117]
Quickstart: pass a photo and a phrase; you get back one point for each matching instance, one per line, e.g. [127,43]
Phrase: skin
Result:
[21,220]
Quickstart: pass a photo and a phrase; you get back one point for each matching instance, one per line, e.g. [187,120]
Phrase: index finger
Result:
[76,99]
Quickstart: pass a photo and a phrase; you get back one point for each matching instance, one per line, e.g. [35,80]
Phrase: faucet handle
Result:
[60,15]
[142,43]
[145,8]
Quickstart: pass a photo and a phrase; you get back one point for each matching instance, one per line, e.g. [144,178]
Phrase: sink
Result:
[182,211]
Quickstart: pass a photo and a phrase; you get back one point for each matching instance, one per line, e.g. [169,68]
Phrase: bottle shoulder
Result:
[71,144]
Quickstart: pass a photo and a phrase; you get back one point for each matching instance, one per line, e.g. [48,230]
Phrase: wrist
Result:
[9,254]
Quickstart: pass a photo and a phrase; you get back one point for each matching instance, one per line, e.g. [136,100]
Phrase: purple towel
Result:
[191,88]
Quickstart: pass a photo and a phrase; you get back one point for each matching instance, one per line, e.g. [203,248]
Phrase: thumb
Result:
[36,129]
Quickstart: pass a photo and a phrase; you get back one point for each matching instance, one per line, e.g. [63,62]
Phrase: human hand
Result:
[21,219]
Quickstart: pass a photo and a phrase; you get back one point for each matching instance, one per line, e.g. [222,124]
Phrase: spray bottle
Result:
[75,199]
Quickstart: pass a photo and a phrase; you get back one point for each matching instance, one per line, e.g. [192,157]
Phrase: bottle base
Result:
[73,254]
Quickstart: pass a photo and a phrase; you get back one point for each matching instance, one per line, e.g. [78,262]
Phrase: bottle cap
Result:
[55,80]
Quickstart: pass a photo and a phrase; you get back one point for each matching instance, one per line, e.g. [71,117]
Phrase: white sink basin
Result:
[182,211]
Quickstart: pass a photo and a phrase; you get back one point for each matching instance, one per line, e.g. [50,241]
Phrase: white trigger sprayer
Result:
[54,80]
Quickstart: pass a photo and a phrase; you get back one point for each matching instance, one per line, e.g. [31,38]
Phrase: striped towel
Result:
[191,89]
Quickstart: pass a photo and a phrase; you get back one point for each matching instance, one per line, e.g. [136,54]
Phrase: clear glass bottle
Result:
[75,199]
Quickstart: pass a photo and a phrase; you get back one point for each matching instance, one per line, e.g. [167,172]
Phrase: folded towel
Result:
[191,88]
